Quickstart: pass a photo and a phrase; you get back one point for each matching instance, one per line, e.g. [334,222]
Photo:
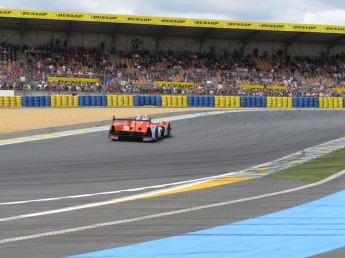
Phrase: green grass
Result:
[316,169]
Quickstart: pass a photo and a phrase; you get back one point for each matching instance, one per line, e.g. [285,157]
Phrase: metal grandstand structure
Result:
[34,27]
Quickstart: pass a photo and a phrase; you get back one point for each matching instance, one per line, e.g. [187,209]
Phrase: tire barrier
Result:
[75,101]
[136,101]
[13,101]
[195,101]
[331,102]
[147,100]
[7,101]
[98,101]
[169,101]
[109,100]
[47,101]
[222,102]
[64,101]
[216,101]
[42,101]
[87,101]
[141,101]
[36,101]
[158,101]
[30,101]
[24,101]
[70,101]
[164,101]
[125,101]
[179,101]
[269,102]
[115,101]
[120,101]
[205,101]
[153,100]
[190,101]
[19,101]
[93,101]
[172,101]
[185,101]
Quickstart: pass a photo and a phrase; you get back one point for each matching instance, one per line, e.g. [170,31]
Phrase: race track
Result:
[51,175]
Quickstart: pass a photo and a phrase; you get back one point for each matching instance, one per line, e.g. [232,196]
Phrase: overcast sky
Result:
[295,11]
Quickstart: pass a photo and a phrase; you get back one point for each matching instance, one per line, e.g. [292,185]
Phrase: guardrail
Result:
[171,101]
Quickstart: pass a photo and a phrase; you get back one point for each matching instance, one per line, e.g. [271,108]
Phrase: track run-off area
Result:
[201,193]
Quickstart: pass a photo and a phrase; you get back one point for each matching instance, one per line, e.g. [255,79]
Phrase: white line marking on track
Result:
[158,215]
[119,191]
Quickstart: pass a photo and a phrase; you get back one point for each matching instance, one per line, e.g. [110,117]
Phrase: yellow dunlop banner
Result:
[332,29]
[172,21]
[9,13]
[240,25]
[35,14]
[185,85]
[304,27]
[69,16]
[138,19]
[104,17]
[269,87]
[206,23]
[72,79]
[270,26]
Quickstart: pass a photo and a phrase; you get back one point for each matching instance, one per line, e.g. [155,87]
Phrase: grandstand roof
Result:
[176,27]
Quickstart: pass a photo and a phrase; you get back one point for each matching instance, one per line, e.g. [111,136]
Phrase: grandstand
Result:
[67,51]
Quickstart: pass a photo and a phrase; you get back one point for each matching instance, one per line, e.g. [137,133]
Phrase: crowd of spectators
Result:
[136,71]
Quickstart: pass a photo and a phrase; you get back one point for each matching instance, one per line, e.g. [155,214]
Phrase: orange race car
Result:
[138,128]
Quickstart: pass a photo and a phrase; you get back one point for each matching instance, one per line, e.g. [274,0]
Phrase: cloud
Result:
[332,17]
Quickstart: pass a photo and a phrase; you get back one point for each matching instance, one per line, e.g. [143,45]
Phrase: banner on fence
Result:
[72,79]
[185,85]
[269,87]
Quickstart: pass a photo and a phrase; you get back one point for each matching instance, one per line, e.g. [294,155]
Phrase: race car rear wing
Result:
[131,119]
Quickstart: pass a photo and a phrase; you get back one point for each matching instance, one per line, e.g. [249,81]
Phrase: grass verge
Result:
[316,169]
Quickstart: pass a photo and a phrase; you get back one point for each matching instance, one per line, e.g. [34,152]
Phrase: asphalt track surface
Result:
[201,147]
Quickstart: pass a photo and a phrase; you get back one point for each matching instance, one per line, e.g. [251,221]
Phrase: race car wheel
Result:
[112,130]
[168,130]
[156,134]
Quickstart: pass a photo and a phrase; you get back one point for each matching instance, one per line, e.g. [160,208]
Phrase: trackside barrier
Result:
[179,101]
[24,101]
[109,100]
[153,100]
[13,101]
[125,101]
[331,102]
[184,101]
[169,101]
[172,101]
[159,101]
[216,101]
[19,101]
[206,101]
[196,101]
[47,101]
